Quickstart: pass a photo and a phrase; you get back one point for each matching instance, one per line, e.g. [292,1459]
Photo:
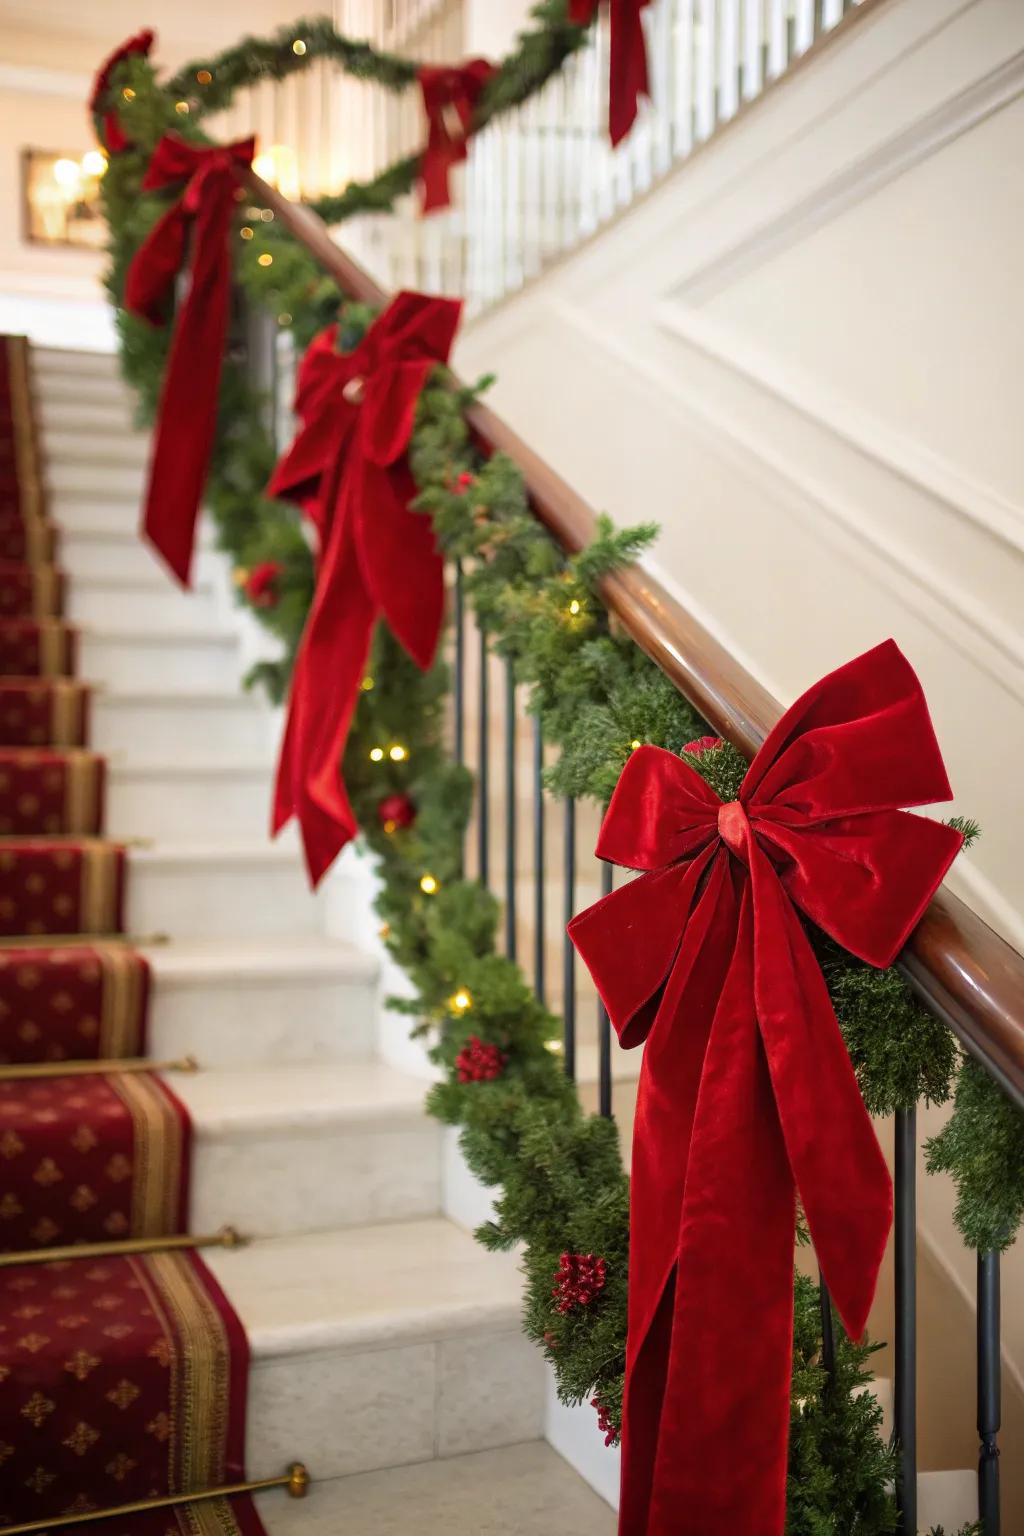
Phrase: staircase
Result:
[386,1349]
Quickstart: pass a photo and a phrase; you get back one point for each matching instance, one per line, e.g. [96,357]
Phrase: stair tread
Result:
[283,850]
[253,766]
[238,1101]
[368,1287]
[218,698]
[188,961]
[520,1490]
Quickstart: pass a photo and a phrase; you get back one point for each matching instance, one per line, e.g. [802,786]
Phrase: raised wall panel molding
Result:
[34,80]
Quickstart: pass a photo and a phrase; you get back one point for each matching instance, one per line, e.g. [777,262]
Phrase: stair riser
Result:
[92,555]
[317,1180]
[89,512]
[62,361]
[278,1023]
[185,731]
[55,390]
[135,607]
[114,480]
[390,1407]
[67,451]
[183,807]
[131,663]
[222,900]
[108,418]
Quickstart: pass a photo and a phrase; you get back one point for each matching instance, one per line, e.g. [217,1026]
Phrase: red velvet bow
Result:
[747,1095]
[347,467]
[188,403]
[627,62]
[450,96]
[113,135]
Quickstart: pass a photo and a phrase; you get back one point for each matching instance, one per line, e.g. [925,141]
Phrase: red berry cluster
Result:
[261,584]
[604,1423]
[704,744]
[463,482]
[579,1279]
[479,1061]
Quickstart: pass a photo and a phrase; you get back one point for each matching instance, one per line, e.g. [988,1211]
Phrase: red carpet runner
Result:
[121,1378]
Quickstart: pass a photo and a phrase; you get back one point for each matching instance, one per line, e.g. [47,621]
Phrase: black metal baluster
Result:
[568,952]
[510,811]
[483,787]
[828,1333]
[905,1386]
[989,1392]
[604,1028]
[539,934]
[459,667]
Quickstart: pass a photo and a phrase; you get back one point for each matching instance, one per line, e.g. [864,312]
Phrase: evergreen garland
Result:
[558,1172]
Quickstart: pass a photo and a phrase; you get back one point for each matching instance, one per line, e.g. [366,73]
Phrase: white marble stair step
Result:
[90,550]
[148,657]
[97,478]
[220,890]
[54,388]
[175,802]
[380,1346]
[76,361]
[96,512]
[131,602]
[521,1490]
[195,725]
[67,448]
[262,1002]
[83,412]
[280,1150]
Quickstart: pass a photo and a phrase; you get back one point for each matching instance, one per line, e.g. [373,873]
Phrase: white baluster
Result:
[728,60]
[682,104]
[705,52]
[831,14]
[778,37]
[803,28]
[753,12]
[661,57]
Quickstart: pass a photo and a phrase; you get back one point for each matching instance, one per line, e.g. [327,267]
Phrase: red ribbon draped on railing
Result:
[747,1095]
[627,80]
[187,416]
[450,95]
[112,132]
[348,469]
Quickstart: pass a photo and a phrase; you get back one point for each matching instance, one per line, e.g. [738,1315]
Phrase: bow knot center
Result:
[734,828]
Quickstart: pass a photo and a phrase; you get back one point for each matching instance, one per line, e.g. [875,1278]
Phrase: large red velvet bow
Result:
[627,59]
[450,96]
[747,1095]
[188,403]
[347,467]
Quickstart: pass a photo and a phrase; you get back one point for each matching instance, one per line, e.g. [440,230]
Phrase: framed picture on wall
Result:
[61,198]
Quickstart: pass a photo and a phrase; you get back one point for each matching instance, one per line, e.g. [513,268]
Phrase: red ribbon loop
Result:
[628,79]
[187,417]
[450,95]
[347,469]
[747,1096]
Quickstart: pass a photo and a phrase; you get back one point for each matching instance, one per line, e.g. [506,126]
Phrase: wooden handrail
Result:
[959,968]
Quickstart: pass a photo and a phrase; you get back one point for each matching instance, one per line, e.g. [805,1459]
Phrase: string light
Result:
[390,827]
[461,1000]
[384,931]
[555,1047]
[298,47]
[429,885]
[575,607]
[376,754]
[128,93]
[94,162]
[398,754]
[203,76]
[367,684]
[265,260]
[634,744]
[284,318]
[181,107]
[245,232]
[266,214]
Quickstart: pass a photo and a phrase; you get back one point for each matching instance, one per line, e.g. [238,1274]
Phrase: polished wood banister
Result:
[959,967]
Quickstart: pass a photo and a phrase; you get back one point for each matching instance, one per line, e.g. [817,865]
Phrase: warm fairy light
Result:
[279,165]
[266,214]
[298,47]
[367,684]
[284,318]
[265,260]
[555,1047]
[398,754]
[428,885]
[67,174]
[384,931]
[376,754]
[128,93]
[575,607]
[203,76]
[634,744]
[94,162]
[461,1000]
[181,107]
[390,827]
[245,232]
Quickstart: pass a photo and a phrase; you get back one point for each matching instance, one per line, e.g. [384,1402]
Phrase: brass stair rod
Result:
[296,1480]
[14,1072]
[58,940]
[227,1237]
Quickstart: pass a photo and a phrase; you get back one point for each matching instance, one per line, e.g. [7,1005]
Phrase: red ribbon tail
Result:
[434,168]
[628,70]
